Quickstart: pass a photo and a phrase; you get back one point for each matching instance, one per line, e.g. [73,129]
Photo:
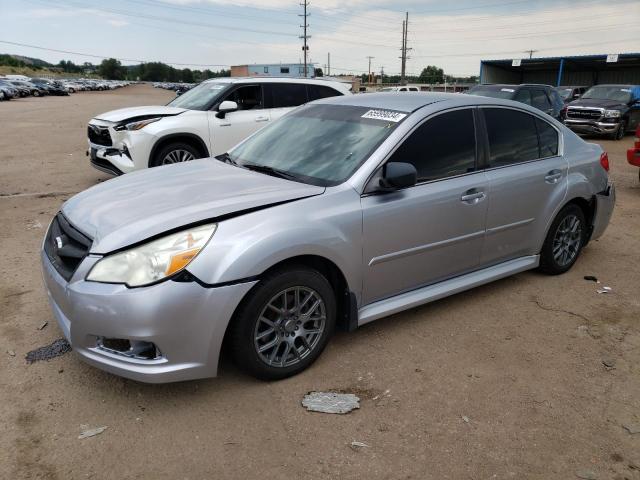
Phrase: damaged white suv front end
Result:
[120,142]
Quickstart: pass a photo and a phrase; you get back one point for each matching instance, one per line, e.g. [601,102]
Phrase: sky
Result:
[217,33]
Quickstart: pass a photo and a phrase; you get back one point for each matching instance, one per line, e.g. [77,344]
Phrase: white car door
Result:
[233,127]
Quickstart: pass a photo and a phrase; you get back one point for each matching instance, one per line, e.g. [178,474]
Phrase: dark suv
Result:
[542,97]
[569,94]
[609,110]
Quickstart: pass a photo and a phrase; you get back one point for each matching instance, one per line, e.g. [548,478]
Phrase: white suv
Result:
[205,121]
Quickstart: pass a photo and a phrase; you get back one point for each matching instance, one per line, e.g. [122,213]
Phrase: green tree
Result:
[318,72]
[187,75]
[432,74]
[111,69]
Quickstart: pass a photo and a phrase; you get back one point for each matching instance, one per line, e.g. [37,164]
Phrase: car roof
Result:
[317,81]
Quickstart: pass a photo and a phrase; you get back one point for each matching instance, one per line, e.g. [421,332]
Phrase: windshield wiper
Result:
[270,171]
[226,158]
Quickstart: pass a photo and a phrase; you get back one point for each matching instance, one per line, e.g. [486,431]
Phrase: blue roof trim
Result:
[567,57]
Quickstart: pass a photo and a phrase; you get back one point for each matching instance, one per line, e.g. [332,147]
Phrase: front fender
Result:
[328,226]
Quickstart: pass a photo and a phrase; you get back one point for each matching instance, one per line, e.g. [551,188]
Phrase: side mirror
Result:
[226,107]
[397,175]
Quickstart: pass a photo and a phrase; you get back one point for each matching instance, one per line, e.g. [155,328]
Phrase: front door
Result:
[236,126]
[433,230]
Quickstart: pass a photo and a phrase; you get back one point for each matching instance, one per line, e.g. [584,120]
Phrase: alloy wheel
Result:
[177,156]
[290,326]
[567,240]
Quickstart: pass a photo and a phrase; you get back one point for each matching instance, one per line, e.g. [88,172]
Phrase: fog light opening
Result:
[129,348]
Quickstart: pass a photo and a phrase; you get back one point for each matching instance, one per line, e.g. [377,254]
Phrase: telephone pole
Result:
[304,36]
[530,52]
[404,49]
[328,63]
[369,77]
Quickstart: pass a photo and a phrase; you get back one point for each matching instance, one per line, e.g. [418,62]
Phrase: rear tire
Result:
[284,324]
[176,152]
[564,241]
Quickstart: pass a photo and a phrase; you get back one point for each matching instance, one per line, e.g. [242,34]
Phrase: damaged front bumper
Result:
[587,126]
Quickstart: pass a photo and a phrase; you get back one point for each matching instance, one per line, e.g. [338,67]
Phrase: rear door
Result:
[284,97]
[433,230]
[236,126]
[541,101]
[527,182]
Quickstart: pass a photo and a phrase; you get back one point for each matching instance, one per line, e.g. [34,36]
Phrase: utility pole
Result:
[304,36]
[530,52]
[328,63]
[404,49]
[369,77]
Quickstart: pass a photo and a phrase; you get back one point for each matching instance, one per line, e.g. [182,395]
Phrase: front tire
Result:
[171,153]
[564,241]
[622,129]
[284,324]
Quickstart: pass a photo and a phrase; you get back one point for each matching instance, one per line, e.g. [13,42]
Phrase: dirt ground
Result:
[503,381]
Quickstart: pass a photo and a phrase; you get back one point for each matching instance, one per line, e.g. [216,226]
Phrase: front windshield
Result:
[492,91]
[614,92]
[564,92]
[200,97]
[318,144]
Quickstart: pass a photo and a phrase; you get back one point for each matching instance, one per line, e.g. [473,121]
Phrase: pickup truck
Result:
[611,110]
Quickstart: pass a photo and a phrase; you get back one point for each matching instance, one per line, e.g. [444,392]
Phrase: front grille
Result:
[65,246]
[584,113]
[99,135]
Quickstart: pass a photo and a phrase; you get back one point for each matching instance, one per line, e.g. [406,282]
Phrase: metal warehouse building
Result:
[584,70]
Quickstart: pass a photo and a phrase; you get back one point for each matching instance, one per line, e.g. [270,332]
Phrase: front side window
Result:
[248,97]
[444,146]
[288,94]
[512,135]
[201,97]
[318,144]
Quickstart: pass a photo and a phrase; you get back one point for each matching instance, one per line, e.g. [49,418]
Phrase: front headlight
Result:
[153,261]
[612,113]
[137,125]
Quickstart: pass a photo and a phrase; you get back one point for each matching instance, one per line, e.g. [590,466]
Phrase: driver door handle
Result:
[262,118]
[472,196]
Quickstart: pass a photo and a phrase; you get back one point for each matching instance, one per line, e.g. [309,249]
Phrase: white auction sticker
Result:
[507,90]
[384,115]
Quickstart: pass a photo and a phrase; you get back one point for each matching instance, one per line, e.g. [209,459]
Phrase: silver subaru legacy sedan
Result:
[344,211]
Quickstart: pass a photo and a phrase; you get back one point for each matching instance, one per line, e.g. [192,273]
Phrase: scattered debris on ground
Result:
[586,475]
[54,349]
[90,432]
[465,419]
[609,363]
[330,402]
[34,225]
[591,278]
[11,353]
[632,428]
[358,445]
[44,324]
[604,290]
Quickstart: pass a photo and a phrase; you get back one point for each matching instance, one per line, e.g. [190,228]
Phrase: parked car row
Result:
[18,86]
[611,110]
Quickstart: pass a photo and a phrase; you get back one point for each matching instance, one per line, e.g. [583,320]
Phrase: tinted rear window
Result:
[513,137]
[548,139]
[320,91]
[288,94]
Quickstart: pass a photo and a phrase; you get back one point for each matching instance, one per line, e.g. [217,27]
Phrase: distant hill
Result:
[36,62]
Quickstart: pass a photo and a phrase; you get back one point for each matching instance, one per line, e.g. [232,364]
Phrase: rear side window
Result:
[548,139]
[540,100]
[513,137]
[288,94]
[524,96]
[320,91]
[442,147]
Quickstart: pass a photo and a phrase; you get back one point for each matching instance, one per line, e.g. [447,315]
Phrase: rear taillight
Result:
[604,161]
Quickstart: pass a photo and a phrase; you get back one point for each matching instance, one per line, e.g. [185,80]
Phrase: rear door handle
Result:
[553,176]
[472,196]
[262,118]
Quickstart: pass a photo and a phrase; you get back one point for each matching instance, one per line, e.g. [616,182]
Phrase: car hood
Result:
[143,204]
[133,112]
[597,103]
